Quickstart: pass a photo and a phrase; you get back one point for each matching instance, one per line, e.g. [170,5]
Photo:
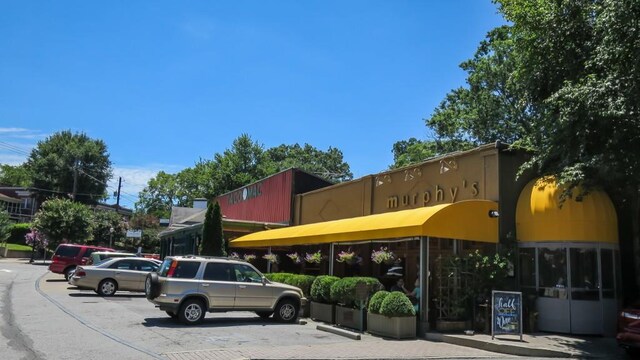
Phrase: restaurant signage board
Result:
[506,313]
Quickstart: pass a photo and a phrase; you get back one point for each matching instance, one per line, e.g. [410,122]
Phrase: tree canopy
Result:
[53,162]
[62,220]
[14,176]
[213,242]
[246,161]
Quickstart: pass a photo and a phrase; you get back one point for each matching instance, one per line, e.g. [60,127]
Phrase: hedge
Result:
[343,291]
[376,301]
[397,304]
[302,281]
[321,288]
[18,232]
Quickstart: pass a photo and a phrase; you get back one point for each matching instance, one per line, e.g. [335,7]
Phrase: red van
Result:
[68,256]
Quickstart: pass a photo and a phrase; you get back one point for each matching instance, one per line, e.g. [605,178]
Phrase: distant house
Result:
[19,202]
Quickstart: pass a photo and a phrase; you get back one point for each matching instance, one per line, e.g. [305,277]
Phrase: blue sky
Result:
[165,83]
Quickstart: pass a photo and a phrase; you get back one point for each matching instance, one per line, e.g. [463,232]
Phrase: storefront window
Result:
[585,281]
[528,267]
[552,265]
[608,288]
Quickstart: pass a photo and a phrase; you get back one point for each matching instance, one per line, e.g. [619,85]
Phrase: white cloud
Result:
[135,179]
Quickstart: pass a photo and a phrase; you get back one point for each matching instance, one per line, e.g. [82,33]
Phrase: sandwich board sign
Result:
[506,313]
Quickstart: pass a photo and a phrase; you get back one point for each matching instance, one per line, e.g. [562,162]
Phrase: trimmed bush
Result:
[302,281]
[397,304]
[376,301]
[321,288]
[343,291]
[18,231]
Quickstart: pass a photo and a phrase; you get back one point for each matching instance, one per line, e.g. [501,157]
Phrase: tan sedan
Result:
[127,274]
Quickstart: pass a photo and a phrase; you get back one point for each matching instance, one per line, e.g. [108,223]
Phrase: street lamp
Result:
[111,231]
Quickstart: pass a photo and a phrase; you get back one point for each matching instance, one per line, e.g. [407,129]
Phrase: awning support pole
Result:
[331,256]
[423,307]
[269,262]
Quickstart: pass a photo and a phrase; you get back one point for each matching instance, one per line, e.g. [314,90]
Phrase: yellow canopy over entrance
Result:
[465,220]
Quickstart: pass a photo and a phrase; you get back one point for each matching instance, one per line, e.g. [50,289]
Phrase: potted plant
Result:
[297,259]
[249,257]
[350,309]
[313,258]
[383,256]
[391,315]
[271,258]
[348,257]
[322,308]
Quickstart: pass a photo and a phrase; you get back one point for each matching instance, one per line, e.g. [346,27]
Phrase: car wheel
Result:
[172,314]
[286,311]
[152,286]
[68,273]
[107,287]
[264,314]
[191,312]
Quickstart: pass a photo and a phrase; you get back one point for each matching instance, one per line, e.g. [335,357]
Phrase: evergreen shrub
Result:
[321,288]
[343,291]
[376,301]
[397,304]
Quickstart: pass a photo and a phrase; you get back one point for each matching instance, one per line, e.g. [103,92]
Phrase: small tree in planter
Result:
[322,308]
[392,315]
[343,293]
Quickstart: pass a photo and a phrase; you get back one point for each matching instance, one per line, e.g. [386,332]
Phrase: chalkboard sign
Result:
[506,313]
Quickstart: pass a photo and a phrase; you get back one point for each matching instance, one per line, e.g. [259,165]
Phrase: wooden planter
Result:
[322,312]
[452,325]
[351,318]
[394,327]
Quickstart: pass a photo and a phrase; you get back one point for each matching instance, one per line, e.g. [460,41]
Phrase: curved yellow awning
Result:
[465,220]
[539,217]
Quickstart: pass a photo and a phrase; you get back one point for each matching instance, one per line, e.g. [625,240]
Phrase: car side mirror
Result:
[264,280]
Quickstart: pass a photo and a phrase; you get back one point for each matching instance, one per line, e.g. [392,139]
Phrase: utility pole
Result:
[75,180]
[118,194]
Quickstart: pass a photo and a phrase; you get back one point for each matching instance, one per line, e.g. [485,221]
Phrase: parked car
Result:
[99,256]
[186,287]
[629,329]
[68,256]
[115,274]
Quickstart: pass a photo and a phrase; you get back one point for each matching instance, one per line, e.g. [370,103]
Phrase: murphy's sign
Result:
[246,193]
[433,194]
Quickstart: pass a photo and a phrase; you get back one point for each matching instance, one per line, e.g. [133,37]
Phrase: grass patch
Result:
[19,247]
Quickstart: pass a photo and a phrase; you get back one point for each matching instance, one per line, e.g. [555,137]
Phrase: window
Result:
[123,265]
[146,266]
[608,279]
[186,269]
[528,267]
[218,272]
[246,273]
[67,251]
[585,282]
[552,264]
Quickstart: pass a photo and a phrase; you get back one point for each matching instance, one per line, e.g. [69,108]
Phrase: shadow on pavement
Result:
[116,296]
[167,322]
[56,280]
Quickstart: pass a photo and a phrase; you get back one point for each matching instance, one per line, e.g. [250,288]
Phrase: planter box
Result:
[394,327]
[351,318]
[322,312]
[452,325]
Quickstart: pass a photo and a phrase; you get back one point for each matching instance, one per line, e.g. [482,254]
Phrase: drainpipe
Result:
[331,256]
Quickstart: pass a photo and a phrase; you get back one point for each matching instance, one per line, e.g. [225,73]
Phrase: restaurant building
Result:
[456,204]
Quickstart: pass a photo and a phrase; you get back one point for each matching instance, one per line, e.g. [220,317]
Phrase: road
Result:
[45,318]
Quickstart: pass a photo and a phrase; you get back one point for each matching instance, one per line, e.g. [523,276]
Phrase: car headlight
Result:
[629,315]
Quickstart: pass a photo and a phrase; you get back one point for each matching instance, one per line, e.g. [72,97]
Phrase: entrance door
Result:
[553,295]
[586,308]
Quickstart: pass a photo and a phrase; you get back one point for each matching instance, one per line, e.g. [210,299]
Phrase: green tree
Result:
[160,194]
[54,161]
[62,220]
[103,223]
[326,164]
[5,226]
[407,152]
[213,243]
[14,176]
[150,226]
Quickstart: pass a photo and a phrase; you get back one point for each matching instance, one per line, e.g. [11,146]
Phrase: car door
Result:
[125,273]
[218,283]
[142,268]
[251,293]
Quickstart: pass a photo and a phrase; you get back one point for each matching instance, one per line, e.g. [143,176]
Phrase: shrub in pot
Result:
[391,315]
[322,308]
[343,293]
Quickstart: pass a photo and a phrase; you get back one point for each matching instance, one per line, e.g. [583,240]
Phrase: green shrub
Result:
[18,231]
[376,301]
[321,288]
[397,304]
[343,291]
[302,281]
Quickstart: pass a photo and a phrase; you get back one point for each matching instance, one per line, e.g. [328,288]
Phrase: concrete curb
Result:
[510,349]
[338,331]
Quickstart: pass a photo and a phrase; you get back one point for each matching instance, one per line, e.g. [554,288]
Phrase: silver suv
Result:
[186,287]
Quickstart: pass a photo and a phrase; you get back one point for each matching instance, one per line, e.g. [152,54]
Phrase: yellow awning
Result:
[465,220]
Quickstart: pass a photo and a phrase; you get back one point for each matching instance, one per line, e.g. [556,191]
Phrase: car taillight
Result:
[80,273]
[172,268]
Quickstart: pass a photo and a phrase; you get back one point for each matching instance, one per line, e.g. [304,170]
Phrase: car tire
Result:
[172,314]
[286,311]
[191,312]
[107,287]
[68,272]
[152,286]
[264,314]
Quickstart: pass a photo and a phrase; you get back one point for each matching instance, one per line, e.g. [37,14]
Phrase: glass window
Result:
[618,271]
[123,265]
[246,273]
[164,268]
[186,269]
[67,251]
[528,267]
[552,265]
[218,272]
[585,282]
[608,280]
